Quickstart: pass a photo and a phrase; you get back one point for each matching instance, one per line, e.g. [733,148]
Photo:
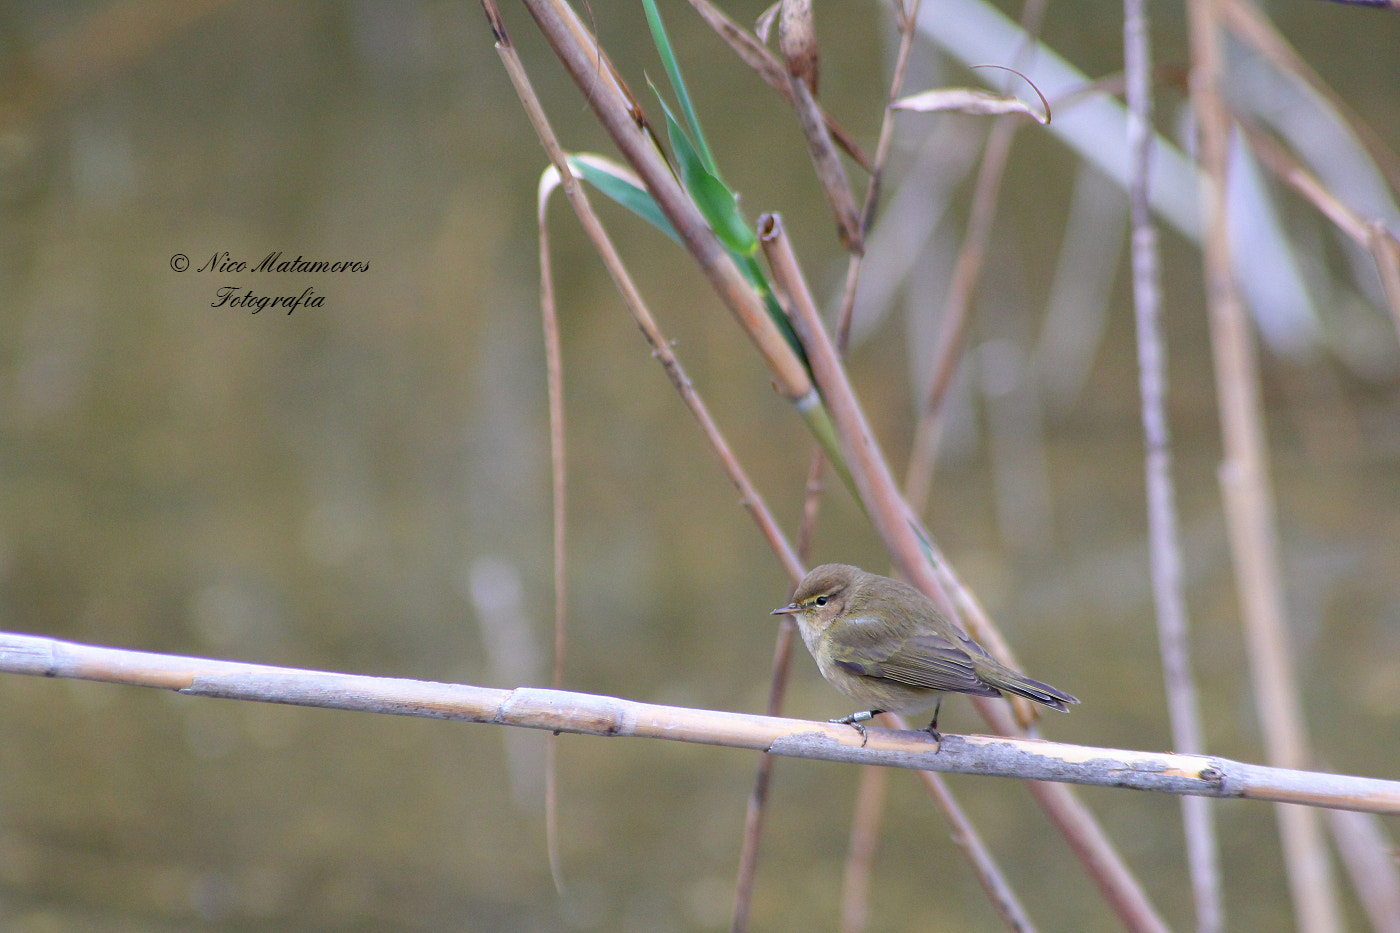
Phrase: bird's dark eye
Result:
[820,600]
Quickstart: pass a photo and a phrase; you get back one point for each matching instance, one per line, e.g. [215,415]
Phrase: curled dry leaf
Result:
[764,26]
[969,100]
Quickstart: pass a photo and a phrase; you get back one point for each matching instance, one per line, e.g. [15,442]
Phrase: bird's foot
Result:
[932,727]
[854,721]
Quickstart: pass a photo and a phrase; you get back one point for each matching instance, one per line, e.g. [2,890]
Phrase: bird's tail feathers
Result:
[1011,682]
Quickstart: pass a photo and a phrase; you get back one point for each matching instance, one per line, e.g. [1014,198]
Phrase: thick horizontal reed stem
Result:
[589,714]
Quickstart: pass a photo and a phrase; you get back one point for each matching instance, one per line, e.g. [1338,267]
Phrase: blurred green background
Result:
[364,486]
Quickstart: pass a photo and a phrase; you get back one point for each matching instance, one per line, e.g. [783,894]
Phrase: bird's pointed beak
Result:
[787,610]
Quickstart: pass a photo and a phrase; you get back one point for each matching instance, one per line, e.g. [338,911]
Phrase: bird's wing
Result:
[925,660]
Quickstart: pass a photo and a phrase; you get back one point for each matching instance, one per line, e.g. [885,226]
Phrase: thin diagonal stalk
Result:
[1246,488]
[1369,854]
[777,688]
[826,165]
[1386,249]
[1273,156]
[797,40]
[860,851]
[1003,899]
[811,502]
[1369,233]
[967,271]
[952,337]
[1183,708]
[1250,25]
[989,875]
[874,484]
[782,660]
[747,873]
[908,20]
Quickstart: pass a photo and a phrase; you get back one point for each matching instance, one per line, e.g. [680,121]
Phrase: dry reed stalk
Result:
[957,310]
[1248,23]
[1369,855]
[965,835]
[1245,485]
[746,875]
[1369,233]
[907,20]
[1183,706]
[554,377]
[967,270]
[859,870]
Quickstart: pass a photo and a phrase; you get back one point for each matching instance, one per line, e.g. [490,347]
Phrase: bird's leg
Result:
[932,728]
[855,719]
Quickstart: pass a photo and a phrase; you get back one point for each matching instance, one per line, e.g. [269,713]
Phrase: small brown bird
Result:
[884,643]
